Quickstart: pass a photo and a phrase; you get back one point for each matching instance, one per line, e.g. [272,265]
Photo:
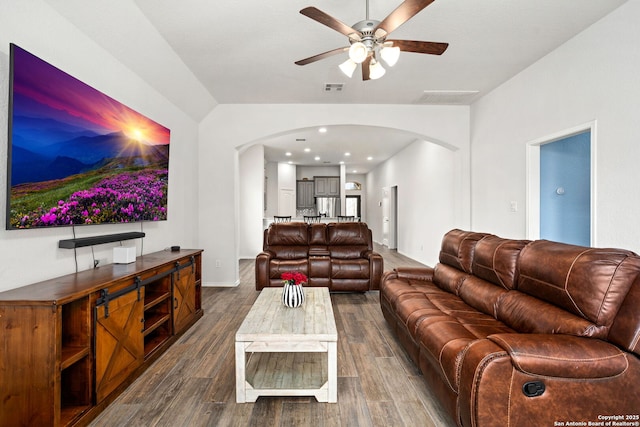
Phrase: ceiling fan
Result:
[368,39]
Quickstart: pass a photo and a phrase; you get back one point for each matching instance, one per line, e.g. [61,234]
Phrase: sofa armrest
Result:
[376,268]
[575,372]
[415,273]
[562,356]
[262,269]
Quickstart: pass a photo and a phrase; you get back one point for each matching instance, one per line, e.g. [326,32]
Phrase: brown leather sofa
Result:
[339,256]
[515,332]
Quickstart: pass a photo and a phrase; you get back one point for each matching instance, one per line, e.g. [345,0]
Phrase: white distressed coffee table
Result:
[279,349]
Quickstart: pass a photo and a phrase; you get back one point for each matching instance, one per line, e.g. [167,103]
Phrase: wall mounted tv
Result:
[77,156]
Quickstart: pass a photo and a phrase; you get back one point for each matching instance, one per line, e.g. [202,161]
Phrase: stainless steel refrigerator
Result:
[328,206]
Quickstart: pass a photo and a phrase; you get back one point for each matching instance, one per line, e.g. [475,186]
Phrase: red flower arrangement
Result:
[294,277]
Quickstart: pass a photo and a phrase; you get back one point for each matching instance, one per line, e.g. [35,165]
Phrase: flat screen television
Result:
[77,156]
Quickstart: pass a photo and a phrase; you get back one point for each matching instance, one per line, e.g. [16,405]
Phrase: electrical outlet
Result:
[218,263]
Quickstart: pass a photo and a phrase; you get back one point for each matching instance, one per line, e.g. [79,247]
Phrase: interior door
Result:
[385,215]
[184,297]
[545,219]
[565,190]
[119,342]
[393,217]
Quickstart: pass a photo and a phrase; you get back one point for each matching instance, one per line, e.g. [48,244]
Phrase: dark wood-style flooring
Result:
[193,382]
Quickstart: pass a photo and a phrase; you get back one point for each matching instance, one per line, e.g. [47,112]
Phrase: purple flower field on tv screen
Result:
[125,197]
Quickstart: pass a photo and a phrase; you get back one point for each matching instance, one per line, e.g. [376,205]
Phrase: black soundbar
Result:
[98,240]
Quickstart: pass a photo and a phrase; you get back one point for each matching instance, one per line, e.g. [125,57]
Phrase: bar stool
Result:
[310,219]
[277,218]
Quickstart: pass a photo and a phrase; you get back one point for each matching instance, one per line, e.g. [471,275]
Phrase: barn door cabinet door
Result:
[119,344]
[184,294]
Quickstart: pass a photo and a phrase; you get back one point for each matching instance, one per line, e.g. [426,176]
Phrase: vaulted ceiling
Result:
[244,51]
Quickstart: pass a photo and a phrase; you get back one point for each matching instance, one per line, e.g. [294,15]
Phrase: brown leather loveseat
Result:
[515,332]
[339,256]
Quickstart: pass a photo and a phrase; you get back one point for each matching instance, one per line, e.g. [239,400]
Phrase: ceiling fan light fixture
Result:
[390,54]
[348,67]
[368,39]
[376,70]
[358,52]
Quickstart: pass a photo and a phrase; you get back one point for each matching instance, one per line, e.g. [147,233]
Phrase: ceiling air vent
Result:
[333,87]
[447,97]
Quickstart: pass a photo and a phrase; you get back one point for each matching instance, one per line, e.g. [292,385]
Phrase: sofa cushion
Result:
[287,240]
[279,266]
[318,235]
[287,234]
[448,278]
[625,330]
[588,282]
[495,260]
[530,315]
[348,240]
[350,269]
[457,248]
[481,295]
[444,336]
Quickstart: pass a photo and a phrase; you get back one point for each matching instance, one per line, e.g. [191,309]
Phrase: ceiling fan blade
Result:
[365,68]
[320,56]
[432,48]
[331,22]
[400,15]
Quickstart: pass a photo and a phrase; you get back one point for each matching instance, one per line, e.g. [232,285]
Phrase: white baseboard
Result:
[221,284]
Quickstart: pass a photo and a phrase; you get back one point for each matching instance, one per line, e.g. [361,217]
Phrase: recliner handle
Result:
[533,388]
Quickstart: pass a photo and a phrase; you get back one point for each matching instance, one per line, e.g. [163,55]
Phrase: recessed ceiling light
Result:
[354,171]
[322,130]
[306,150]
[342,162]
[369,158]
[288,153]
[290,162]
[347,154]
[317,158]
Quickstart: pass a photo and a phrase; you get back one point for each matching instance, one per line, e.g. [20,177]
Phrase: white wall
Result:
[251,199]
[32,255]
[430,182]
[225,128]
[594,76]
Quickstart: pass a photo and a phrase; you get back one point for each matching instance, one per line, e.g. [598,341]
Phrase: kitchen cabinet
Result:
[73,343]
[305,194]
[327,186]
